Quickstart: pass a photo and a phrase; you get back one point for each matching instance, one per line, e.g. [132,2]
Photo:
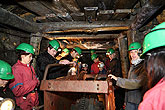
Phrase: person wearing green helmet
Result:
[112,63]
[5,73]
[113,66]
[154,62]
[48,57]
[25,80]
[63,54]
[74,55]
[5,77]
[73,58]
[136,77]
[93,51]
[97,65]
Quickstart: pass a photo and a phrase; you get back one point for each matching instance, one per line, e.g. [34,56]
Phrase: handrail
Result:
[48,66]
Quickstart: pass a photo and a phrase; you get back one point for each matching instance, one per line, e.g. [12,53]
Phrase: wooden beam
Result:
[14,32]
[123,54]
[146,12]
[15,21]
[78,36]
[60,26]
[94,30]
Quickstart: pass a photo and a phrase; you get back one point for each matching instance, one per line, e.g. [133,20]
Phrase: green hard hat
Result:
[92,51]
[134,46]
[5,71]
[26,47]
[94,56]
[65,50]
[111,51]
[55,44]
[155,38]
[78,50]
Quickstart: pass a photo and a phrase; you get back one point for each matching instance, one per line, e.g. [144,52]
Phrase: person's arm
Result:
[128,83]
[18,86]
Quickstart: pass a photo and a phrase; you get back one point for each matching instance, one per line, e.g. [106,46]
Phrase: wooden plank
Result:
[14,32]
[46,27]
[82,36]
[15,21]
[38,8]
[75,86]
[94,30]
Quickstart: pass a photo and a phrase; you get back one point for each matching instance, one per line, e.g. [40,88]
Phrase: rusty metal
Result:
[61,94]
[75,86]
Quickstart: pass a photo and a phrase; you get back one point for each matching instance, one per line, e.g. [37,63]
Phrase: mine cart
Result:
[94,92]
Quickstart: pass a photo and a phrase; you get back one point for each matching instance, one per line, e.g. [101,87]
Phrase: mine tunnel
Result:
[46,44]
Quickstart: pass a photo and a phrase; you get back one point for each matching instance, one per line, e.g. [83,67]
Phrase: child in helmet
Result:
[25,81]
[136,76]
[154,57]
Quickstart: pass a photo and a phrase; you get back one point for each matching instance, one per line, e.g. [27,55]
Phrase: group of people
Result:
[145,77]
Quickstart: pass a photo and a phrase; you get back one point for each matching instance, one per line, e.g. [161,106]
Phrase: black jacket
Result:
[42,61]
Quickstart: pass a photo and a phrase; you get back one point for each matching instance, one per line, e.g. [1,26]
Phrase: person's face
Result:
[3,82]
[74,54]
[96,60]
[85,68]
[26,59]
[134,54]
[52,51]
[111,56]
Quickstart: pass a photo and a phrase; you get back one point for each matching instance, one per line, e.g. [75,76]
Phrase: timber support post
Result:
[35,42]
[123,54]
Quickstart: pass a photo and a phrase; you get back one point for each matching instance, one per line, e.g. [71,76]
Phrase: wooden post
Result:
[123,54]
[35,41]
[131,36]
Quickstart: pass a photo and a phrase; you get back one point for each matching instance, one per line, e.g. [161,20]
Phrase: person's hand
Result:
[64,62]
[112,77]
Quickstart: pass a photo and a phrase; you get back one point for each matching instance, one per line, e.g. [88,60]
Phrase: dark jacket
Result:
[7,93]
[133,83]
[115,67]
[43,60]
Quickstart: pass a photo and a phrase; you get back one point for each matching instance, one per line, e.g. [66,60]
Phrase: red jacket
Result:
[154,99]
[24,82]
[95,68]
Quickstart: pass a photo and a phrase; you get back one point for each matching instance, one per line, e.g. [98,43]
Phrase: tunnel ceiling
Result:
[86,23]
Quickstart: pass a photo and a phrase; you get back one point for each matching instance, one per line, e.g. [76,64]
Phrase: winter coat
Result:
[154,99]
[133,83]
[43,60]
[115,67]
[23,86]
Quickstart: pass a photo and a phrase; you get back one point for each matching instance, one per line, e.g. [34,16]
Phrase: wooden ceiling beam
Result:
[82,36]
[146,12]
[61,26]
[12,20]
